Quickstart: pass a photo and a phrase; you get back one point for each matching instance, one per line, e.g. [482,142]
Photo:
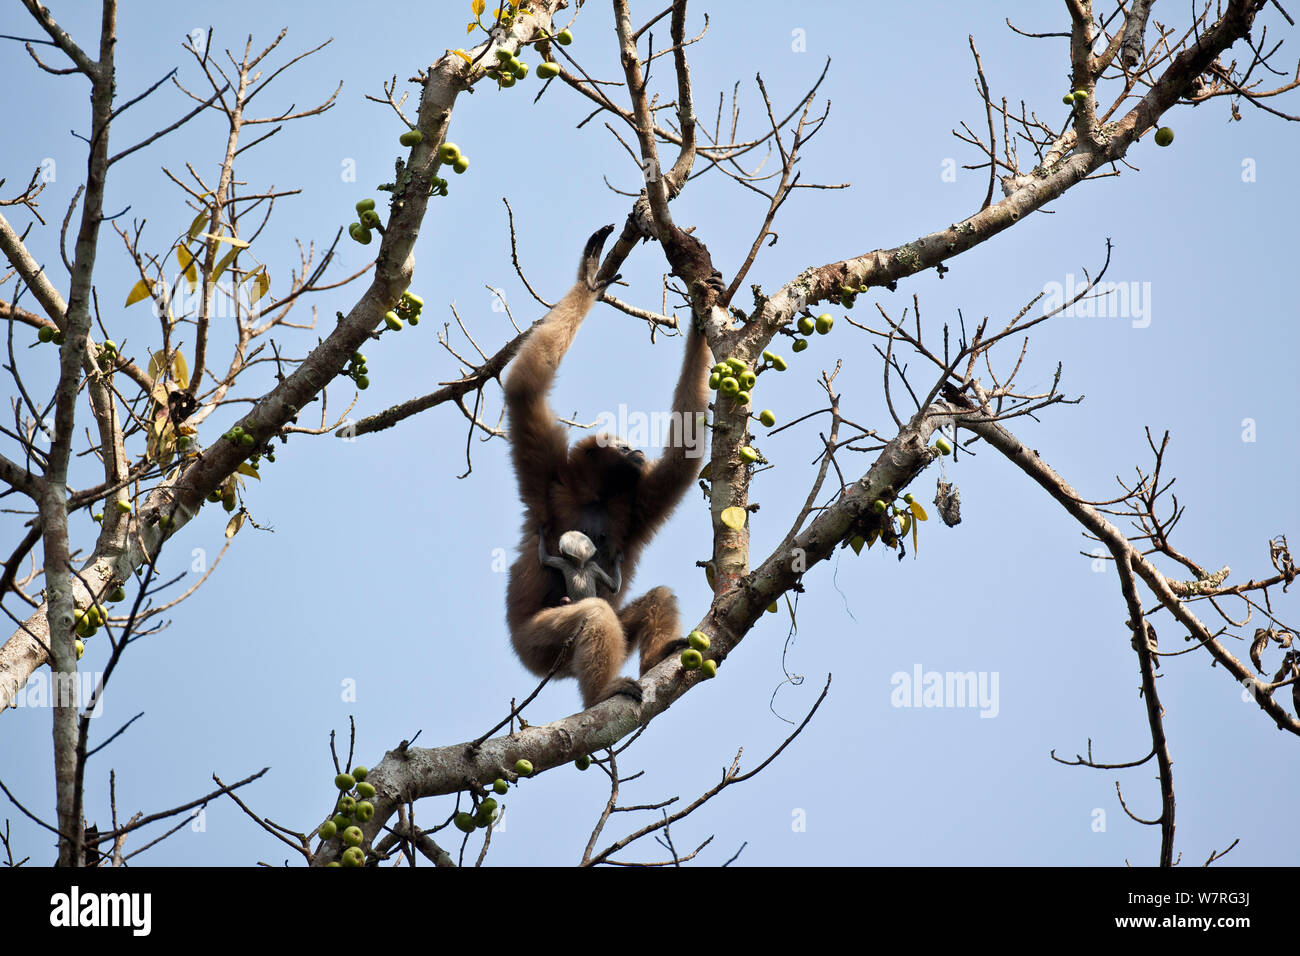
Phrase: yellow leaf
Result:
[180,370]
[464,56]
[856,543]
[914,524]
[159,393]
[222,263]
[197,224]
[141,290]
[234,524]
[155,366]
[471,27]
[246,469]
[186,261]
[733,517]
[919,511]
[237,243]
[479,6]
[260,285]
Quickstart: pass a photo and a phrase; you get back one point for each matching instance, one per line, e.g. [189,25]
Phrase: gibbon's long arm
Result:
[538,443]
[667,479]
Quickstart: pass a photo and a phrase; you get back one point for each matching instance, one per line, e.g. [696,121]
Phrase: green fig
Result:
[117,594]
[806,324]
[363,235]
[729,385]
[564,38]
[692,659]
[392,321]
[698,640]
[1068,99]
[369,219]
[98,516]
[742,398]
[448,153]
[524,768]
[879,506]
[506,80]
[365,810]
[500,786]
[354,857]
[748,379]
[345,781]
[519,69]
[364,204]
[944,447]
[908,498]
[779,364]
[714,381]
[548,70]
[799,345]
[1080,95]
[347,805]
[583,762]
[246,440]
[327,830]
[709,669]
[460,165]
[80,646]
[411,137]
[767,417]
[1164,136]
[353,836]
[363,382]
[364,790]
[736,365]
[464,822]
[824,323]
[358,359]
[58,337]
[45,334]
[124,506]
[748,455]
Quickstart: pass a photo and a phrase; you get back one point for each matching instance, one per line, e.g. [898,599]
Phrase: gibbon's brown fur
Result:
[603,488]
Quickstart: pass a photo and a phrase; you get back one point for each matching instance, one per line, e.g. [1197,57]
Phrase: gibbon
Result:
[581,574]
[603,488]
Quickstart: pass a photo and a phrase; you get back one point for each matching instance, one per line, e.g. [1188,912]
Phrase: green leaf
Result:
[733,517]
[197,224]
[222,263]
[141,290]
[246,469]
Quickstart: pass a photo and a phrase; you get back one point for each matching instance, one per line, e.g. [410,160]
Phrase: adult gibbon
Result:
[603,488]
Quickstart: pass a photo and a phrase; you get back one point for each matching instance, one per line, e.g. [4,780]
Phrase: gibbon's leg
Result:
[596,656]
[651,622]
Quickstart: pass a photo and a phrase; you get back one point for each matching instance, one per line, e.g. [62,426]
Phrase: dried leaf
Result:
[1262,634]
[237,243]
[180,371]
[234,524]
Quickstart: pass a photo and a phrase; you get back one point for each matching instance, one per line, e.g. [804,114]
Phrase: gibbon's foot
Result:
[621,686]
[665,652]
[591,259]
[716,283]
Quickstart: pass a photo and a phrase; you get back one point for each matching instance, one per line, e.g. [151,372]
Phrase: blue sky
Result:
[383,567]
